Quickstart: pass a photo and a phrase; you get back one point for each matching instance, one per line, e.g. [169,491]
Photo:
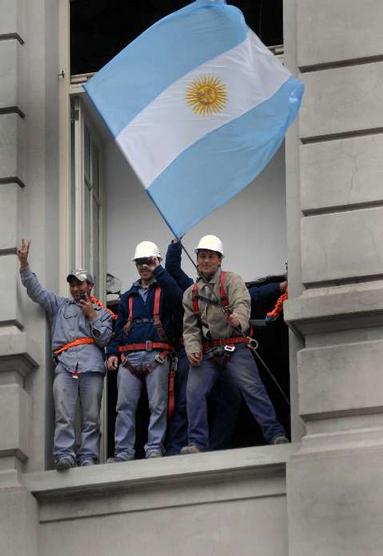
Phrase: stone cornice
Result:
[18,352]
[336,308]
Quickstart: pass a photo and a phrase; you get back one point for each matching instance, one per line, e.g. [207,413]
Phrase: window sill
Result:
[159,483]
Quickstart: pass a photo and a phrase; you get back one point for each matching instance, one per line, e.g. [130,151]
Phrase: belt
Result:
[224,342]
[146,346]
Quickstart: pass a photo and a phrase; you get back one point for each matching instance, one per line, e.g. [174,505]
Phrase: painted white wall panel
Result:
[251,226]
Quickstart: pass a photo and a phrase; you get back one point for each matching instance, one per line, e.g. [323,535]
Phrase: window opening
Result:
[99,30]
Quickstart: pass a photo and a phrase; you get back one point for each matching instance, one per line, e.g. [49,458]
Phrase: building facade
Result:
[323,493]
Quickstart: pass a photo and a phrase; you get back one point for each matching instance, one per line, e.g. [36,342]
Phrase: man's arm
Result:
[173,265]
[191,332]
[267,294]
[47,299]
[122,317]
[239,302]
[170,288]
[101,327]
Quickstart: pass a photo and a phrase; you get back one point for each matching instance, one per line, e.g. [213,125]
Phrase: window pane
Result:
[87,154]
[72,216]
[96,246]
[87,228]
[95,170]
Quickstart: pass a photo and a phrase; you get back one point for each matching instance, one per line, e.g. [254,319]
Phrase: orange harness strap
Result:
[222,294]
[156,314]
[74,343]
[99,303]
[278,307]
[171,389]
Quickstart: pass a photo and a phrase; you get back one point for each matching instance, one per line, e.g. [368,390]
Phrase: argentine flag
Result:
[198,105]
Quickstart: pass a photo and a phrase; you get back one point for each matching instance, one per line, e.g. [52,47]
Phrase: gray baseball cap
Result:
[81,274]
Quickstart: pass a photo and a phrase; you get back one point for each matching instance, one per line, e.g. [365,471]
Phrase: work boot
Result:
[154,454]
[116,459]
[190,449]
[64,463]
[280,439]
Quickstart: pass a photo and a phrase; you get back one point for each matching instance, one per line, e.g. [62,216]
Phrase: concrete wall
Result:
[233,502]
[29,208]
[252,226]
[334,498]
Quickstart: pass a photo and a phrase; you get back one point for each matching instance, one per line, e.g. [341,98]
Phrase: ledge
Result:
[348,306]
[18,352]
[139,485]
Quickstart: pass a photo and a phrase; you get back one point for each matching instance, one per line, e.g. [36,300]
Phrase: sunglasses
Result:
[143,261]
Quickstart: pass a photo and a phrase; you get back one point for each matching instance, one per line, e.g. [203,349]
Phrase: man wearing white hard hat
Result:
[216,322]
[147,324]
[80,328]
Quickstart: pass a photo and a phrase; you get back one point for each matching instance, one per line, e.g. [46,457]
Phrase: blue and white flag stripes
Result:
[198,105]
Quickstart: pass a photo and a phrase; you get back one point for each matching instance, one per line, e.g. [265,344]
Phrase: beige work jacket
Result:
[213,323]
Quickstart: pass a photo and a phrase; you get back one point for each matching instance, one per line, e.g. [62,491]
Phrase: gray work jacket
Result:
[68,323]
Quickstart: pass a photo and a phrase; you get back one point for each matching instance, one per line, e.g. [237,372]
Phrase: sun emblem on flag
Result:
[206,95]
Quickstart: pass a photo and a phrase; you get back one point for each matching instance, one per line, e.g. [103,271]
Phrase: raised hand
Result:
[23,252]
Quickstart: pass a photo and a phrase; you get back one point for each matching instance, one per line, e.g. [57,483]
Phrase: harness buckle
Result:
[229,348]
[158,359]
[148,345]
[253,344]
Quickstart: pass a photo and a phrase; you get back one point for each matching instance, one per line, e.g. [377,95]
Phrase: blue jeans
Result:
[67,391]
[225,400]
[129,392]
[243,370]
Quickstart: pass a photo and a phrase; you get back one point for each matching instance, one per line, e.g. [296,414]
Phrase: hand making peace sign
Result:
[23,252]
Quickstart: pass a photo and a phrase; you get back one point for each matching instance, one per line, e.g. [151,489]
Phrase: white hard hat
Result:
[146,249]
[213,243]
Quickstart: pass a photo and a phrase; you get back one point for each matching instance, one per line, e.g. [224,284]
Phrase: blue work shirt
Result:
[68,322]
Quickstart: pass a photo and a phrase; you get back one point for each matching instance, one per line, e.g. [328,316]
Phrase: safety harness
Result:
[83,340]
[220,348]
[99,303]
[278,307]
[166,348]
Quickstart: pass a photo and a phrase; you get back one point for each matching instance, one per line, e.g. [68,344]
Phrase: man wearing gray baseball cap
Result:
[81,327]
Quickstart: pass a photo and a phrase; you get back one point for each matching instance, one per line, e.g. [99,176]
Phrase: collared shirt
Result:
[68,322]
[143,290]
[213,323]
